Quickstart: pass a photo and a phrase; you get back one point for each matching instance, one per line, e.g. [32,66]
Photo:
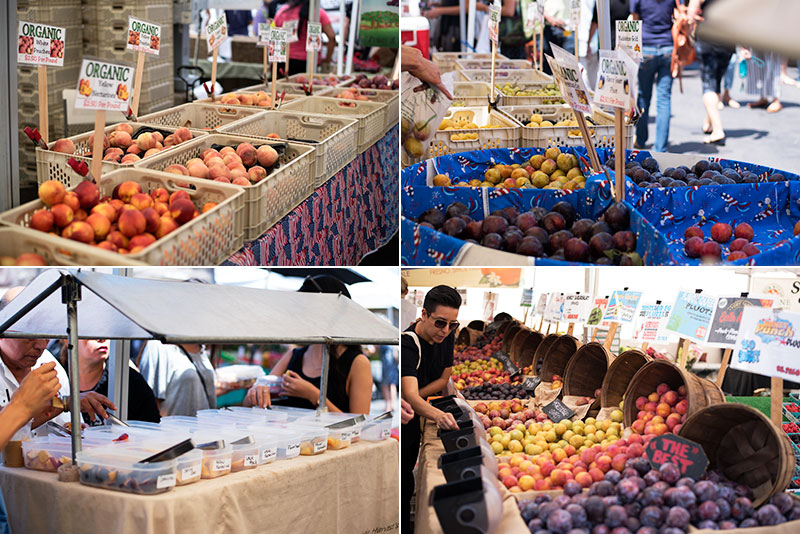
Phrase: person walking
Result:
[763,79]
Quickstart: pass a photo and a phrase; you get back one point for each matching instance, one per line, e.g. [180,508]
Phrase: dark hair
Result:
[441,296]
[502,316]
[303,16]
[324,283]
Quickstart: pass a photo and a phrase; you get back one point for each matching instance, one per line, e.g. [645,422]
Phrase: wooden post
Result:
[214,55]
[266,55]
[575,33]
[494,58]
[535,54]
[541,322]
[612,331]
[723,367]
[286,64]
[44,112]
[548,329]
[570,328]
[541,44]
[776,400]
[619,153]
[274,77]
[97,147]
[587,141]
[525,318]
[683,348]
[137,83]
[594,334]
[644,346]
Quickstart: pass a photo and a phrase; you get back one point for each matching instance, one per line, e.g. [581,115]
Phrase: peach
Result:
[79,231]
[558,478]
[100,224]
[682,407]
[127,190]
[134,149]
[197,169]
[651,407]
[238,170]
[151,152]
[208,206]
[245,99]
[153,219]
[107,210]
[673,420]
[547,468]
[218,171]
[588,455]
[88,194]
[141,201]
[231,160]
[106,144]
[120,139]
[42,220]
[227,150]
[662,388]
[653,397]
[52,192]
[142,240]
[618,462]
[247,152]
[603,462]
[112,156]
[159,194]
[640,402]
[159,137]
[170,140]
[596,474]
[584,479]
[62,215]
[124,127]
[183,134]
[214,160]
[129,158]
[542,485]
[147,140]
[224,180]
[178,194]
[161,208]
[107,245]
[210,152]
[663,409]
[267,156]
[240,180]
[182,210]
[71,200]
[256,173]
[177,168]
[132,222]
[65,146]
[118,239]
[30,259]
[526,482]
[670,397]
[116,203]
[273,136]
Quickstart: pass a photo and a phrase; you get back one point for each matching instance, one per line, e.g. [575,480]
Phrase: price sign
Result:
[568,73]
[622,306]
[724,329]
[263,35]
[768,343]
[40,44]
[629,37]
[494,23]
[527,298]
[291,31]
[686,454]
[650,321]
[530,383]
[555,308]
[104,86]
[577,308]
[541,304]
[531,17]
[599,309]
[558,411]
[143,36]
[691,315]
[508,365]
[574,15]
[314,36]
[216,32]
[616,79]
[277,45]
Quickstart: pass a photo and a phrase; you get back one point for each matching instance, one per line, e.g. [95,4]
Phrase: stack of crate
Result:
[59,13]
[105,36]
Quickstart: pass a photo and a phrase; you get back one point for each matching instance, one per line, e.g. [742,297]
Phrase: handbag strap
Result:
[194,364]
[413,335]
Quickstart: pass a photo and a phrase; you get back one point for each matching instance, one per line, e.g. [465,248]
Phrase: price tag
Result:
[541,304]
[320,446]
[385,433]
[263,35]
[269,454]
[599,309]
[356,433]
[104,86]
[724,329]
[530,383]
[293,450]
[531,17]
[622,306]
[650,323]
[557,411]
[616,79]
[188,473]
[574,15]
[577,308]
[223,464]
[768,343]
[686,454]
[555,308]
[527,298]
[143,36]
[314,36]
[568,74]
[629,37]
[346,435]
[216,32]
[494,23]
[291,31]
[251,460]
[508,365]
[277,45]
[691,315]
[40,44]
[166,481]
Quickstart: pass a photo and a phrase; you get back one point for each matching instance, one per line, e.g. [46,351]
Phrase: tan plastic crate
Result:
[209,239]
[15,240]
[446,61]
[267,201]
[600,124]
[390,98]
[343,79]
[250,91]
[334,138]
[207,117]
[53,165]
[506,100]
[503,76]
[500,64]
[371,115]
[470,94]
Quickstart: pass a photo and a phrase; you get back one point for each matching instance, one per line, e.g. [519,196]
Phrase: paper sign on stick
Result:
[314,36]
[40,44]
[277,45]
[724,329]
[650,321]
[629,37]
[691,315]
[144,36]
[768,343]
[291,30]
[616,80]
[104,86]
[217,32]
[569,72]
[622,306]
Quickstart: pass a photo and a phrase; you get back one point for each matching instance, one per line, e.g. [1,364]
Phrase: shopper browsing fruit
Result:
[426,359]
[298,10]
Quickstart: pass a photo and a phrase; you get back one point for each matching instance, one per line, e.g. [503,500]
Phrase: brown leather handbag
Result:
[683,51]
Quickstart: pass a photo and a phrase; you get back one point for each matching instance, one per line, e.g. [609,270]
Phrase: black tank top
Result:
[338,372]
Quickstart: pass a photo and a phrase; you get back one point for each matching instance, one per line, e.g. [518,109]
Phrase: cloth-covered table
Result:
[349,216]
[349,491]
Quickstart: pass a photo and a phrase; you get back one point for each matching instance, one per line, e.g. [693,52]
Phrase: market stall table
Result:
[323,493]
[351,215]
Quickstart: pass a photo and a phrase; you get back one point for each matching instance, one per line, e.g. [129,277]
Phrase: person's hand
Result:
[92,403]
[406,412]
[37,390]
[258,396]
[746,54]
[432,13]
[446,421]
[558,23]
[423,70]
[295,386]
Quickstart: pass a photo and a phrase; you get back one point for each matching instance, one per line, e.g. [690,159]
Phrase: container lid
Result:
[234,373]
[123,458]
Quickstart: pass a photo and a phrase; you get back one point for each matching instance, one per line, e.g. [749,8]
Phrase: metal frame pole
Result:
[70,295]
[323,386]
[9,139]
[340,47]
[471,14]
[313,16]
[462,24]
[118,367]
[604,25]
[351,37]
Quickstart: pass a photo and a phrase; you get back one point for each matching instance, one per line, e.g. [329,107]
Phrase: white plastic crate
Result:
[390,98]
[600,124]
[15,240]
[503,76]
[371,115]
[470,94]
[208,239]
[206,117]
[446,61]
[251,91]
[343,79]
[506,100]
[267,201]
[334,138]
[500,64]
[507,136]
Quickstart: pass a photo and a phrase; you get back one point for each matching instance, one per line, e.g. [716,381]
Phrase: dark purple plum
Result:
[701,166]
[651,516]
[618,217]
[650,164]
[629,472]
[579,517]
[621,530]
[558,255]
[663,486]
[602,488]
[683,497]
[743,491]
[615,516]
[562,501]
[724,508]
[678,517]
[494,224]
[601,529]
[434,216]
[572,488]
[576,250]
[705,490]
[454,227]
[474,230]
[641,465]
[669,472]
[708,510]
[492,240]
[639,175]
[540,213]
[567,211]
[613,476]
[553,222]
[611,500]
[512,239]
[647,530]
[727,525]
[526,220]
[748,523]
[632,523]
[600,226]
[541,499]
[769,515]
[426,224]
[678,174]
[540,234]
[652,496]
[466,218]
[633,509]
[456,209]
[510,213]
[794,514]
[600,243]
[742,508]
[530,246]
[559,522]
[625,241]
[627,490]
[582,229]
[783,502]
[546,509]
[559,239]
[578,531]
[651,477]
[535,524]
[595,509]
[685,481]
[708,524]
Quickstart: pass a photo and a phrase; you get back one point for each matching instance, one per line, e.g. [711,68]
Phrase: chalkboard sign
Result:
[530,383]
[557,410]
[508,365]
[686,454]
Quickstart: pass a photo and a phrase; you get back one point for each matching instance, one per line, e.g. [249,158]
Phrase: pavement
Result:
[753,135]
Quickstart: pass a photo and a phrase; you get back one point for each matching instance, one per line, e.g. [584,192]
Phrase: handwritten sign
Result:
[40,44]
[616,79]
[558,411]
[555,308]
[686,454]
[577,308]
[216,32]
[568,73]
[314,36]
[622,306]
[541,304]
[527,298]
[531,17]
[104,86]
[508,365]
[629,37]
[724,330]
[494,23]
[263,34]
[768,343]
[530,383]
[144,36]
[650,321]
[598,311]
[691,315]
[277,45]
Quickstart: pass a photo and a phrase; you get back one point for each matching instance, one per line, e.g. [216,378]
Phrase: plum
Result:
[685,481]
[526,220]
[540,213]
[669,472]
[530,246]
[559,522]
[546,509]
[558,255]
[602,488]
[708,524]
[724,508]
[721,232]
[693,231]
[701,166]
[599,227]
[434,216]
[474,230]
[494,224]
[625,241]
[647,530]
[693,247]
[650,164]
[454,227]
[427,225]
[541,499]
[576,250]
[651,516]
[512,239]
[492,240]
[603,261]
[748,523]
[639,175]
[595,509]
[742,508]
[776,177]
[651,477]
[613,476]
[632,523]
[711,252]
[559,239]
[769,515]
[572,488]
[566,210]
[611,500]
[668,171]
[627,490]
[705,490]
[510,213]
[678,174]
[535,524]
[621,530]
[456,208]
[678,517]
[601,529]
[615,516]
[652,496]
[553,222]
[727,525]
[618,217]
[629,472]
[630,259]
[641,465]
[708,510]
[579,517]
[783,502]
[582,229]
[750,249]
[600,243]
[633,509]
[738,244]
[562,501]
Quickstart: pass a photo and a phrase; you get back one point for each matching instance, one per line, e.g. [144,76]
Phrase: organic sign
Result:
[291,31]
[622,306]
[104,86]
[314,36]
[650,321]
[527,298]
[616,79]
[508,365]
[768,343]
[555,308]
[263,34]
[577,308]
[574,15]
[40,44]
[558,411]
[531,16]
[217,32]
[494,22]
[277,45]
[724,330]
[541,305]
[686,454]
[568,72]
[691,315]
[143,36]
[599,309]
[629,37]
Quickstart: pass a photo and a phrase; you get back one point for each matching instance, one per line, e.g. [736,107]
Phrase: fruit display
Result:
[549,90]
[537,121]
[556,382]
[662,411]
[506,414]
[379,81]
[124,146]
[710,250]
[141,481]
[790,428]
[478,372]
[482,350]
[329,80]
[42,460]
[496,391]
[245,164]
[258,99]
[26,259]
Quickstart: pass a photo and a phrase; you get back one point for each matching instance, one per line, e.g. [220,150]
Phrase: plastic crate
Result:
[390,98]
[470,94]
[446,61]
[503,76]
[56,250]
[287,98]
[208,239]
[486,64]
[334,138]
[505,137]
[506,100]
[343,79]
[544,137]
[106,12]
[792,417]
[58,78]
[52,165]
[208,117]
[293,90]
[267,201]
[371,115]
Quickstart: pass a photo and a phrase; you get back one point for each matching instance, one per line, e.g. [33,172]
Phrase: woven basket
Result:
[508,337]
[541,351]
[468,336]
[558,356]
[586,370]
[504,326]
[619,375]
[524,356]
[477,325]
[516,343]
[745,446]
[699,391]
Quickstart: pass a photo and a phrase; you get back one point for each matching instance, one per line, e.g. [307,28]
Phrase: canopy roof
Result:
[118,307]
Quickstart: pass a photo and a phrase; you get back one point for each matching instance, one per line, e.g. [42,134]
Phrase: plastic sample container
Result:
[238,376]
[376,430]
[44,454]
[119,470]
[245,456]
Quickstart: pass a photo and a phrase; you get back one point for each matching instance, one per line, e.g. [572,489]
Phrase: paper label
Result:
[216,32]
[267,455]
[386,432]
[768,343]
[221,464]
[555,308]
[784,291]
[598,311]
[320,446]
[39,44]
[629,37]
[531,17]
[104,86]
[291,31]
[574,15]
[251,460]
[346,435]
[650,321]
[263,34]
[188,473]
[541,304]
[293,450]
[166,481]
[691,315]
[724,329]
[144,36]
[314,36]
[277,45]
[527,298]
[616,79]
[577,308]
[622,306]
[494,23]
[568,74]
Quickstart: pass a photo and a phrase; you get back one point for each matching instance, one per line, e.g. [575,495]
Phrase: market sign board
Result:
[494,22]
[263,34]
[277,45]
[143,36]
[768,343]
[485,277]
[40,44]
[291,31]
[597,312]
[574,15]
[616,79]
[555,308]
[691,315]
[629,37]
[526,300]
[541,305]
[379,23]
[577,308]
[724,330]
[567,72]
[650,321]
[686,454]
[216,32]
[104,86]
[314,36]
[622,306]
[786,291]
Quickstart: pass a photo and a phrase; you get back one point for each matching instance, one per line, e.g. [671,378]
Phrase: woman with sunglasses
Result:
[349,371]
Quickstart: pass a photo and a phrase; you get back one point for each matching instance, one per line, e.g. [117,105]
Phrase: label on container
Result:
[314,36]
[291,31]
[40,44]
[216,32]
[104,86]
[267,455]
[277,45]
[263,35]
[346,435]
[166,481]
[386,432]
[320,446]
[188,473]
[251,460]
[293,450]
[494,23]
[221,464]
[143,36]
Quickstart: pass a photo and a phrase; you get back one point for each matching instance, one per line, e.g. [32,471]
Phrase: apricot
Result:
[52,192]
[209,206]
[42,220]
[100,225]
[71,200]
[79,231]
[132,222]
[65,146]
[267,156]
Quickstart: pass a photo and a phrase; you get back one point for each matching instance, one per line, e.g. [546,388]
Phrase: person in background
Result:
[447,13]
[412,61]
[408,312]
[556,15]
[619,10]
[298,10]
[763,79]
[406,412]
[512,30]
[389,375]
[266,13]
[727,85]
[426,360]
[239,21]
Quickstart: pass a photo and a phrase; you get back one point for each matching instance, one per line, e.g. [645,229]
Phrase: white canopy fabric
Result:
[118,307]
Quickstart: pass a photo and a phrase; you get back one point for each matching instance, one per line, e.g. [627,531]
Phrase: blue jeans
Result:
[655,69]
[4,528]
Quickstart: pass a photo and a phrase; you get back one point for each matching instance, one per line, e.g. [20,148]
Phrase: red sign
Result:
[687,455]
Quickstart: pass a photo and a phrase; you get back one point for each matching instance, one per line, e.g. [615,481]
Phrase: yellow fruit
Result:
[497,447]
[536,118]
[413,147]
[441,180]
[446,123]
[616,416]
[515,446]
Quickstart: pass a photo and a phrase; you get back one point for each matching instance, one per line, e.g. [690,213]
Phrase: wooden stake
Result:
[44,111]
[575,33]
[570,328]
[587,141]
[535,52]
[541,45]
[97,147]
[287,62]
[548,329]
[137,83]
[266,55]
[494,58]
[525,319]
[683,348]
[619,153]
[594,334]
[776,402]
[214,55]
[612,331]
[541,322]
[723,367]
[644,346]
[274,77]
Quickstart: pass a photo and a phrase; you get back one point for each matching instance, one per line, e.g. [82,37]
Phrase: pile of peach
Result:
[27,259]
[126,222]
[662,411]
[121,147]
[260,99]
[243,165]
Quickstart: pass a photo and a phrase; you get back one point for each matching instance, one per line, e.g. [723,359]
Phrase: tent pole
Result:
[120,351]
[70,295]
[340,47]
[323,385]
[471,26]
[351,37]
[462,24]
[604,25]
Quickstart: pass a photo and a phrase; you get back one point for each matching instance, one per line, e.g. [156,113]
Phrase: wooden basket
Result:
[525,354]
[699,391]
[541,351]
[516,343]
[586,370]
[619,375]
[504,326]
[558,356]
[477,325]
[468,336]
[745,446]
[508,337]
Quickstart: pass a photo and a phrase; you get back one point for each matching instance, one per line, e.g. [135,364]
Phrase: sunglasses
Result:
[441,323]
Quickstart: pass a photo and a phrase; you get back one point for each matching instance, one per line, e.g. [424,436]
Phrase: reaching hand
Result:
[37,390]
[258,396]
[93,404]
[422,69]
[406,412]
[296,386]
[446,421]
